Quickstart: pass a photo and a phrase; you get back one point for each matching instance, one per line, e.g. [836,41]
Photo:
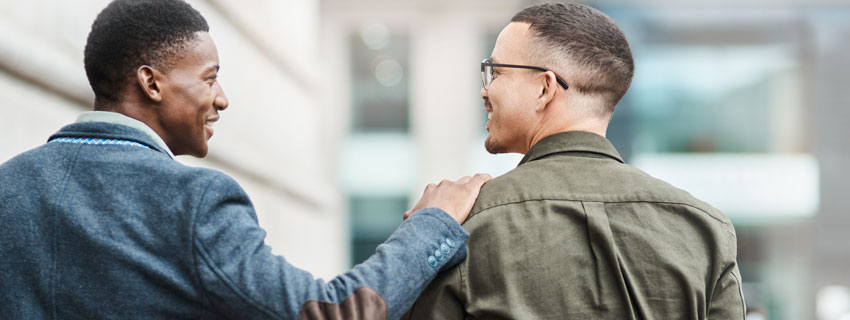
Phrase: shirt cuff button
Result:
[450,242]
[432,261]
[444,248]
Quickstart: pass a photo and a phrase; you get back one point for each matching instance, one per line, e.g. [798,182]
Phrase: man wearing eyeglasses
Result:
[573,232]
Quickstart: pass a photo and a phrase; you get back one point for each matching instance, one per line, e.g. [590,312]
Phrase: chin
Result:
[201,153]
[494,147]
[198,152]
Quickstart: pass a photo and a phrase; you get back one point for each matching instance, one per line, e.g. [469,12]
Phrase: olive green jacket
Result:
[574,233]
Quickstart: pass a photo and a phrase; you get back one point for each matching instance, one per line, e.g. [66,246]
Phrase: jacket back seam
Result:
[55,246]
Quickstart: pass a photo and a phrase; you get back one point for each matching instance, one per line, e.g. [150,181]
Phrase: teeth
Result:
[489,115]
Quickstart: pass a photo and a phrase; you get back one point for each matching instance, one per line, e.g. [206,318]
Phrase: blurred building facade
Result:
[341,111]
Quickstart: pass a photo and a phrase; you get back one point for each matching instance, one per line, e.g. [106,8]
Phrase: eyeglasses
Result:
[487,72]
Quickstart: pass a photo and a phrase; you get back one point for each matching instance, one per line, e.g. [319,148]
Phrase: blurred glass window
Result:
[373,220]
[380,72]
[716,98]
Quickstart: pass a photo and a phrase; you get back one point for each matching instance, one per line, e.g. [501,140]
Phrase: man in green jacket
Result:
[573,232]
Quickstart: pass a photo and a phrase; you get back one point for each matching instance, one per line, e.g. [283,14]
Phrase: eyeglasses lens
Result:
[487,76]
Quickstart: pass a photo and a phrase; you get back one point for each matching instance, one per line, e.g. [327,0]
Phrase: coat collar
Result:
[108,130]
[572,141]
[118,118]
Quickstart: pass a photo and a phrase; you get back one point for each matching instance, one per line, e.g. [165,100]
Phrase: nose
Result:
[483,93]
[220,102]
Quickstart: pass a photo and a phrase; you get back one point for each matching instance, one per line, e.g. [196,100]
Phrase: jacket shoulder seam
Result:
[198,246]
[502,204]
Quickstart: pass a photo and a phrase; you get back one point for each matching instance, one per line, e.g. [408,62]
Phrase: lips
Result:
[208,126]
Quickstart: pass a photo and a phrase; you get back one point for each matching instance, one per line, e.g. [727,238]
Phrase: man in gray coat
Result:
[102,222]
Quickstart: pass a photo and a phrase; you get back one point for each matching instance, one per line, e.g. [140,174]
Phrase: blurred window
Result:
[373,220]
[380,77]
[716,98]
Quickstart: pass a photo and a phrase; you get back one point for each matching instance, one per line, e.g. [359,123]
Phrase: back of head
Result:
[585,45]
[131,33]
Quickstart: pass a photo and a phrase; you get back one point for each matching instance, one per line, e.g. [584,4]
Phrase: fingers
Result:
[480,178]
[454,197]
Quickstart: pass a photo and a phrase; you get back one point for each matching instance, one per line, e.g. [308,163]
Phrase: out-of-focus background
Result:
[342,110]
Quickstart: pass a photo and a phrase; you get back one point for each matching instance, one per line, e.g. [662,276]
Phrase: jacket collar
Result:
[572,141]
[107,130]
[118,118]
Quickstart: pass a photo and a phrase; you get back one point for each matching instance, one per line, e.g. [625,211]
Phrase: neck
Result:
[131,106]
[580,115]
[597,127]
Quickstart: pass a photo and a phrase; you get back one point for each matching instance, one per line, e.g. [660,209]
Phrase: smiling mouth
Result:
[208,127]
[209,130]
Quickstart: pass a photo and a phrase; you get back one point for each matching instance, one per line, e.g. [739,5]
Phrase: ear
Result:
[148,79]
[549,84]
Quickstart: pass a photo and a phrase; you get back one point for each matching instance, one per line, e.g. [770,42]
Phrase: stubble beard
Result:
[492,146]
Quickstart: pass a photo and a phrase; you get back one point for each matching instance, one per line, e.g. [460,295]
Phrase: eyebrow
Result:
[501,69]
[216,67]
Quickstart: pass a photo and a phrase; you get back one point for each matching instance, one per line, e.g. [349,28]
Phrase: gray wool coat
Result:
[101,223]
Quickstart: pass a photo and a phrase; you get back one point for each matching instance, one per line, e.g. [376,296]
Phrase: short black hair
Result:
[131,33]
[587,40]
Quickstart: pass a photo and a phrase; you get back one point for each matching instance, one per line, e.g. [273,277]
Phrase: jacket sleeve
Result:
[241,278]
[727,300]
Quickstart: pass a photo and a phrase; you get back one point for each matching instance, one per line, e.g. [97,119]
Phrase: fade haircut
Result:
[583,43]
[130,33]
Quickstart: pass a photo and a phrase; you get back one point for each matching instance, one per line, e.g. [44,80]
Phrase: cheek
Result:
[510,95]
[201,97]
[512,110]
[503,104]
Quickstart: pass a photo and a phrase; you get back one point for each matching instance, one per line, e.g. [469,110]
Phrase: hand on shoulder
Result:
[454,197]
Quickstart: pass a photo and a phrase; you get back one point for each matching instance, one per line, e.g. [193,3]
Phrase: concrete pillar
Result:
[445,103]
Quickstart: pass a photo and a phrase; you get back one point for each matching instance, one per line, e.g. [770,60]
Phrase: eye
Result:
[211,80]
